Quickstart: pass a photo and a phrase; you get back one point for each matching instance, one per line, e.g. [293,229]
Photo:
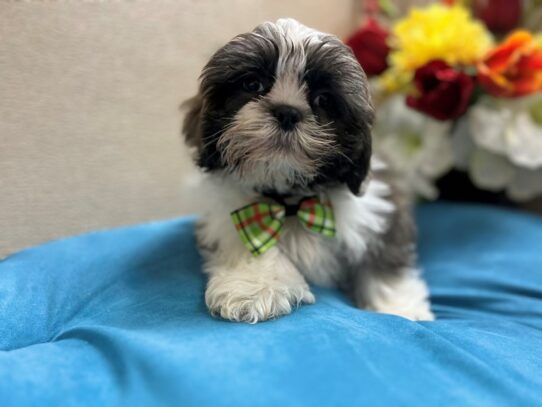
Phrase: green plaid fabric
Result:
[259,224]
[317,216]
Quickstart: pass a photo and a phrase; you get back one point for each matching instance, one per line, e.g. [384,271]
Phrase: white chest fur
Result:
[321,260]
[358,220]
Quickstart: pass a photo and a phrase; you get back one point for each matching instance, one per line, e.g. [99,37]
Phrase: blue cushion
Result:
[119,316]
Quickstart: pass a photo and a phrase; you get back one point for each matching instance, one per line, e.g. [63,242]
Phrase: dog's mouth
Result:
[284,140]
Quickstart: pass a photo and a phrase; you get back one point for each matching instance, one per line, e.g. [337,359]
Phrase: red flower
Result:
[370,47]
[444,93]
[499,15]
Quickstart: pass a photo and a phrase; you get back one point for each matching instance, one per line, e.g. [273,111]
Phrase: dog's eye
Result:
[253,85]
[321,101]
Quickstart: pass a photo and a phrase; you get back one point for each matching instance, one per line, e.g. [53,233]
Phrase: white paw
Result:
[255,297]
[419,312]
[407,297]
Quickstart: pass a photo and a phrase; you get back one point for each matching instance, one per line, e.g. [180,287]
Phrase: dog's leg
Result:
[388,279]
[246,288]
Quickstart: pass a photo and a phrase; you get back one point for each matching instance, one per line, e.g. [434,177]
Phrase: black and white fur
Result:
[285,110]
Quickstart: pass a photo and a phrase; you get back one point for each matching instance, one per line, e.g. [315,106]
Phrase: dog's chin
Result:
[284,171]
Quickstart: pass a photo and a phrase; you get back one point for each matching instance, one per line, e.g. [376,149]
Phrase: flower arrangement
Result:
[458,85]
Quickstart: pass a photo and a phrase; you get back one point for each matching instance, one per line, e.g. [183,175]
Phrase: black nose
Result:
[287,116]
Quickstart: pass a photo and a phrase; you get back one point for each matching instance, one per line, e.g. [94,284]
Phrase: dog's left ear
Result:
[360,163]
[358,117]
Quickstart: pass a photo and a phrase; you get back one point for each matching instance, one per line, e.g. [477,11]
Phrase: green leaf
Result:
[388,8]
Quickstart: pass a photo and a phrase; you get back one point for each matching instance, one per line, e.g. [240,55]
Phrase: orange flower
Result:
[514,68]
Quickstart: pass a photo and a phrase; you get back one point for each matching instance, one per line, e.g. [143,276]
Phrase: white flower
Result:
[416,145]
[499,143]
[509,127]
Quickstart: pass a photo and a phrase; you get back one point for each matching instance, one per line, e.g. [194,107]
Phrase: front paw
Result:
[418,312]
[407,297]
[253,298]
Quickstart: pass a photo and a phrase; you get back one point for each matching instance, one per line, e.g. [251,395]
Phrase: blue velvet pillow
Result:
[118,317]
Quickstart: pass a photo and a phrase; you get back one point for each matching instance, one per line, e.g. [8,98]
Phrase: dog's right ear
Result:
[191,129]
[205,152]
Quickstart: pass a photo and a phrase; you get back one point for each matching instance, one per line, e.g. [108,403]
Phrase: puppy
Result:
[282,128]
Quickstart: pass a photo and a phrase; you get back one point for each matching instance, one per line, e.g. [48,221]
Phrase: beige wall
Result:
[88,105]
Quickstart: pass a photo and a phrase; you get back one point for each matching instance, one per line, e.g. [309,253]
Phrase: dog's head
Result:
[283,108]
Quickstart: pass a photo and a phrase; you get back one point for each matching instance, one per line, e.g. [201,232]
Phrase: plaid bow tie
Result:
[259,224]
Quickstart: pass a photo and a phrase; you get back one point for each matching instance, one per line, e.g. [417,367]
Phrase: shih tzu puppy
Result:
[281,127]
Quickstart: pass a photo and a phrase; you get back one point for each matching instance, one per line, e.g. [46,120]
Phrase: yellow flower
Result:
[435,32]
